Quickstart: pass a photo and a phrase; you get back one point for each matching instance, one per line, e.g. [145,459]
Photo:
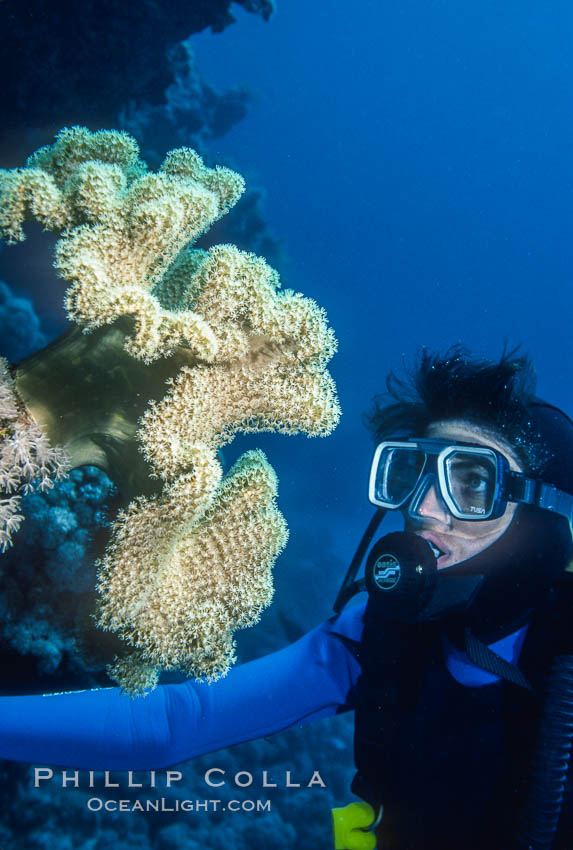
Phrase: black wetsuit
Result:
[451,766]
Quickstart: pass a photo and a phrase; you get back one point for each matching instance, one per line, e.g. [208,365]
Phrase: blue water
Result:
[417,163]
[417,169]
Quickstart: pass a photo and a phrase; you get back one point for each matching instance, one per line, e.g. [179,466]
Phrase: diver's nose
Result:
[428,503]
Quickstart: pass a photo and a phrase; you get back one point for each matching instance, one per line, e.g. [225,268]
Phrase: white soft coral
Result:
[27,460]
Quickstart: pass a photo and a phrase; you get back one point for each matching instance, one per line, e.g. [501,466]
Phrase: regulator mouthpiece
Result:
[405,586]
[401,575]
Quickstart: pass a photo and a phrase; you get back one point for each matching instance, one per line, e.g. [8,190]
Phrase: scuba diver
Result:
[458,666]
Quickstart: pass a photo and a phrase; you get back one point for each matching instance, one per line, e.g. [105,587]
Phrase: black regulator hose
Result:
[539,817]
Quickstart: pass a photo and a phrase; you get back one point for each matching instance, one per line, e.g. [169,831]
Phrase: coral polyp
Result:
[175,350]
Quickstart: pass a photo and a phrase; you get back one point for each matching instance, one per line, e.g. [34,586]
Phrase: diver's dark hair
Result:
[456,385]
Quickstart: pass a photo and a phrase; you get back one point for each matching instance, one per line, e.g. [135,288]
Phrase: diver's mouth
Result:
[436,550]
[441,555]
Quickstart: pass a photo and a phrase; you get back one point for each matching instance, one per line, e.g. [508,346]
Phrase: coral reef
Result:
[100,65]
[58,818]
[177,350]
[48,577]
[194,114]
[20,331]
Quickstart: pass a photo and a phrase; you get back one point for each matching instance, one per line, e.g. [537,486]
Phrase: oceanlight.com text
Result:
[164,804]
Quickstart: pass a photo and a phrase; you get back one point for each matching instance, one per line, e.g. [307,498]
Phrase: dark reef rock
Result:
[191,115]
[83,63]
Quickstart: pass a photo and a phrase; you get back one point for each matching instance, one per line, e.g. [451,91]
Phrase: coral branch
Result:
[180,350]
[122,228]
[188,568]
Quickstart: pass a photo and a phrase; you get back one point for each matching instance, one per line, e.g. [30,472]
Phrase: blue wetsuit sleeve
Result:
[105,730]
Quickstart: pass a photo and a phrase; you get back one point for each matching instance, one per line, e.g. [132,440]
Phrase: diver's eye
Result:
[478,484]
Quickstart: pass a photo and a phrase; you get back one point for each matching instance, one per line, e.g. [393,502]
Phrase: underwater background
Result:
[409,167]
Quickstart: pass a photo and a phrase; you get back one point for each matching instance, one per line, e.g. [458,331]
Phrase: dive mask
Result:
[474,482]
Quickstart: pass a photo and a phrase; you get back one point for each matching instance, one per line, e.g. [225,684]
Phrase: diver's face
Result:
[460,539]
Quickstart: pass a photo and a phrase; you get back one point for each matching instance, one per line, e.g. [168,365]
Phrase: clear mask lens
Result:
[471,482]
[399,470]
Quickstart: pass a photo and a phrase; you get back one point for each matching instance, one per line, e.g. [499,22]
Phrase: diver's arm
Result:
[105,730]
